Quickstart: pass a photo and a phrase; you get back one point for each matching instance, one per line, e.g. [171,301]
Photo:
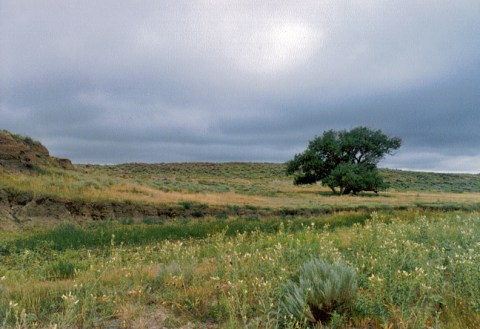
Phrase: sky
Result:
[173,81]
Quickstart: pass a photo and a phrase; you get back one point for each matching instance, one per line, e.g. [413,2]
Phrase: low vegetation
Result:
[323,291]
[241,239]
[25,139]
[238,185]
[412,270]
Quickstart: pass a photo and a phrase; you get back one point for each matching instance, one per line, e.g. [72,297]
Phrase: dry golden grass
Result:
[149,195]
[98,186]
[40,287]
[387,198]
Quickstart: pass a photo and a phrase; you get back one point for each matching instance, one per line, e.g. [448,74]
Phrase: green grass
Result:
[243,178]
[99,235]
[216,177]
[239,232]
[218,185]
[256,178]
[414,270]
[400,180]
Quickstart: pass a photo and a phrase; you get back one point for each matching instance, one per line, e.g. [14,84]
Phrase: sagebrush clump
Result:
[322,290]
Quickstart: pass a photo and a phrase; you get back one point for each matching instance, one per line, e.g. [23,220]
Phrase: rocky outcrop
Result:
[65,163]
[23,153]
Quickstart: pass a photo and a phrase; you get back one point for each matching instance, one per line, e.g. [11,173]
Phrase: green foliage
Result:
[355,178]
[344,159]
[186,204]
[322,290]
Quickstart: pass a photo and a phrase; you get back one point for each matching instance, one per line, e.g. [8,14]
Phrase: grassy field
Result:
[414,270]
[416,259]
[238,184]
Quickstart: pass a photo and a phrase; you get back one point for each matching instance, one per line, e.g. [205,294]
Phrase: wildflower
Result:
[424,286]
[70,298]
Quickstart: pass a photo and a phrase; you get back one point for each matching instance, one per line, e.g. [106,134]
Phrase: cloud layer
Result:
[109,82]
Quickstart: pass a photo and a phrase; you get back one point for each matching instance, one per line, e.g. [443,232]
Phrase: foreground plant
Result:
[322,291]
[412,270]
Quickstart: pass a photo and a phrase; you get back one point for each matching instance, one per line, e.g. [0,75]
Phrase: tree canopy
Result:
[346,160]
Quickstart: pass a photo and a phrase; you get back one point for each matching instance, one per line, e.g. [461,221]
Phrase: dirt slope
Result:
[23,153]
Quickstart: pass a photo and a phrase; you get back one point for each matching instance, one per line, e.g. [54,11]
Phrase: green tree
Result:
[346,160]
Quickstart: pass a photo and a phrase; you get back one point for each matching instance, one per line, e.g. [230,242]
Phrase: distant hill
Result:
[401,180]
[37,191]
[22,153]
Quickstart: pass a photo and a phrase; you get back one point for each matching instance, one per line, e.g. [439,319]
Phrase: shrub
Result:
[186,204]
[323,290]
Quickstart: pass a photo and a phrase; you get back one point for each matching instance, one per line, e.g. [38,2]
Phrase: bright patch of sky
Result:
[154,81]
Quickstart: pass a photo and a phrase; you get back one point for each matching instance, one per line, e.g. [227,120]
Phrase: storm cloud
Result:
[161,81]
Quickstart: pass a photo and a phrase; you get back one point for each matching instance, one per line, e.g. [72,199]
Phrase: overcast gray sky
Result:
[159,81]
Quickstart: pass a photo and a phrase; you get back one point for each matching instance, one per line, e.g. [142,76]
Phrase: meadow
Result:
[260,185]
[415,250]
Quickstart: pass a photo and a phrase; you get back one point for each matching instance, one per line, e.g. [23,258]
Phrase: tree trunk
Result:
[333,189]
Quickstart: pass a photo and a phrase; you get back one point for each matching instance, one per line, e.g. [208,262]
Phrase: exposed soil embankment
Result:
[24,209]
[23,153]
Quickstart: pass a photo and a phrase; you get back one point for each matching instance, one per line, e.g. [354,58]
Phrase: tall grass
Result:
[95,235]
[413,270]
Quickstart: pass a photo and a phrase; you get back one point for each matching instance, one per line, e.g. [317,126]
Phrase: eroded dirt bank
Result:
[24,209]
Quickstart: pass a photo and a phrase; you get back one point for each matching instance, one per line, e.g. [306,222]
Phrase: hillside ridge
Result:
[22,153]
[37,191]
